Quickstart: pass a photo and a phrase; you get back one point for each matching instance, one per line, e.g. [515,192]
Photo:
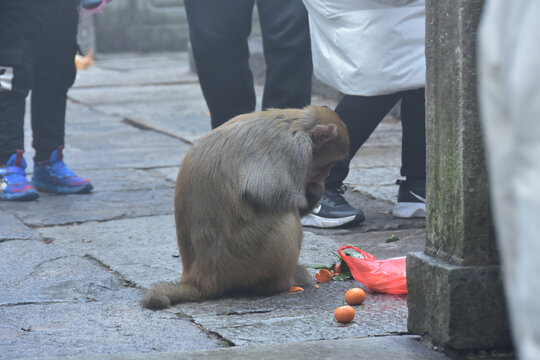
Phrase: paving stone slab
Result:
[104,327]
[36,272]
[12,228]
[379,182]
[294,317]
[129,179]
[144,250]
[83,118]
[376,156]
[167,173]
[387,134]
[141,249]
[129,147]
[379,348]
[129,95]
[51,209]
[53,302]
[130,69]
[308,315]
[97,141]
[171,118]
[178,110]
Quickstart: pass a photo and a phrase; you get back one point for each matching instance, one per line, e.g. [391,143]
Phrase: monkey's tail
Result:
[163,294]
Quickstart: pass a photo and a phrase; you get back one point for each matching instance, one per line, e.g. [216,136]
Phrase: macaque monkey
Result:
[240,193]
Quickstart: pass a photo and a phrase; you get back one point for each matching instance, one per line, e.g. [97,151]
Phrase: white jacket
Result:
[368,47]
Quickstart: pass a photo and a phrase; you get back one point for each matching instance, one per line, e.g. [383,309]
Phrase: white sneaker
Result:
[411,199]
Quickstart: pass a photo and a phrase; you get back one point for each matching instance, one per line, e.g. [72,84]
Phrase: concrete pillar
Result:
[455,294]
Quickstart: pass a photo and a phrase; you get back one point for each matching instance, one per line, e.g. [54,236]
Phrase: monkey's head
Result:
[330,141]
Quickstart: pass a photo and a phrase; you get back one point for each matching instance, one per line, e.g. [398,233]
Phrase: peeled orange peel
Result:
[296,289]
[323,275]
[339,270]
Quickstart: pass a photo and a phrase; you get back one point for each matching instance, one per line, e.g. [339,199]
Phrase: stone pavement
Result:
[74,267]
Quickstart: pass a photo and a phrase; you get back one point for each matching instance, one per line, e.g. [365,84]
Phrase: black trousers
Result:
[362,114]
[38,42]
[219,31]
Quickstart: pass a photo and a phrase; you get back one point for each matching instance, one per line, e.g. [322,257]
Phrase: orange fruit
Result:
[337,269]
[323,276]
[355,296]
[344,314]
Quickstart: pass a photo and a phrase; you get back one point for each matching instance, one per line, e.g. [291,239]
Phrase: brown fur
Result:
[240,193]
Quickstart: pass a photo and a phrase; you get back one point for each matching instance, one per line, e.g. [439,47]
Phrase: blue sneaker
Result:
[13,183]
[91,4]
[54,176]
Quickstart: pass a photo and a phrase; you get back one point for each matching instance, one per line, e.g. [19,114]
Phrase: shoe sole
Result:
[63,190]
[20,197]
[92,5]
[408,210]
[313,220]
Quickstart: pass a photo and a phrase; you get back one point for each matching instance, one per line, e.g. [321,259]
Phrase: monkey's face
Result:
[324,158]
[330,143]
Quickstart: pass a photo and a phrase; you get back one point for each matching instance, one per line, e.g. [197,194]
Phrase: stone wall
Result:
[140,26]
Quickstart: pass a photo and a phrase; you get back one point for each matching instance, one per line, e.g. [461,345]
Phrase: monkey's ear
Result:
[324,133]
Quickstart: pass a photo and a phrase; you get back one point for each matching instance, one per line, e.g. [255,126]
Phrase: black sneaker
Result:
[411,199]
[333,211]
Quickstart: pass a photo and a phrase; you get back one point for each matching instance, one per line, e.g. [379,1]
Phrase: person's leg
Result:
[361,114]
[413,120]
[218,33]
[54,74]
[21,23]
[287,52]
[412,190]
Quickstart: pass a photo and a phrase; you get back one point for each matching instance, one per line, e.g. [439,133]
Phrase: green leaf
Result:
[343,276]
[392,238]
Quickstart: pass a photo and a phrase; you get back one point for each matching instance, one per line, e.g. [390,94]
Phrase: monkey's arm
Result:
[275,180]
[314,193]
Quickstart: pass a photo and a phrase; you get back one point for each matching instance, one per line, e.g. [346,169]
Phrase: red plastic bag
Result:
[383,276]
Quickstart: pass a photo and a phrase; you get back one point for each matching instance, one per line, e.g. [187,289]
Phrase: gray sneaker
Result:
[333,211]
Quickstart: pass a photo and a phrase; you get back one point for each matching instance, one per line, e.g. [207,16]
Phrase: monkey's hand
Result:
[314,191]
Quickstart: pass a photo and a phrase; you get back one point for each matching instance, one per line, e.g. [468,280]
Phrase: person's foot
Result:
[333,211]
[54,176]
[13,183]
[411,199]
